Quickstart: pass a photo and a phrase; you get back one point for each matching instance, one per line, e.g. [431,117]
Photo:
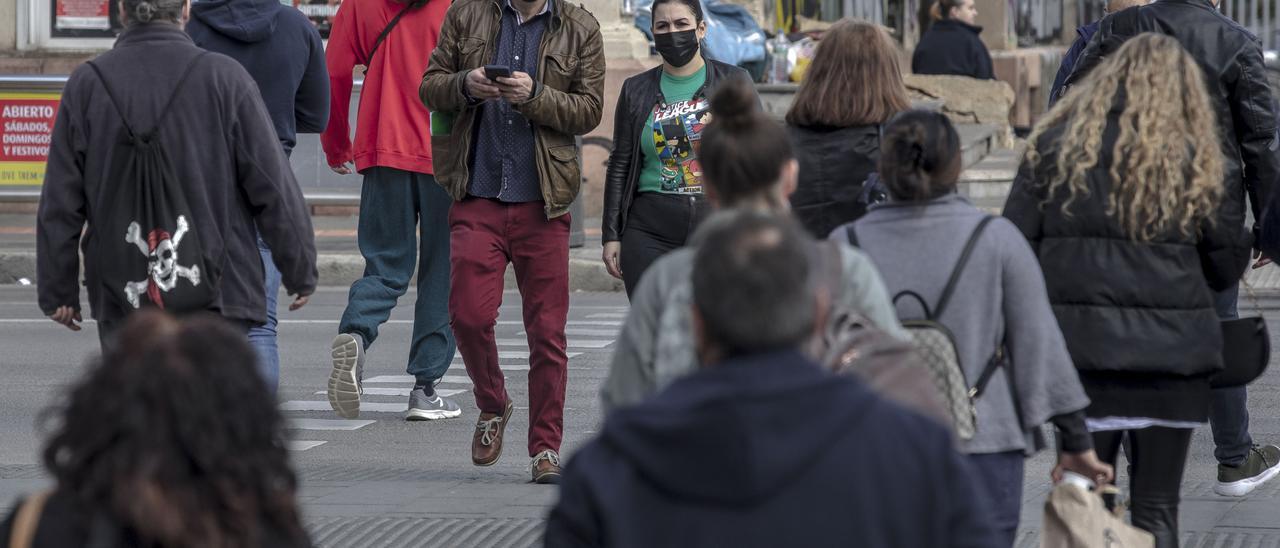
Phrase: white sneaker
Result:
[348,370]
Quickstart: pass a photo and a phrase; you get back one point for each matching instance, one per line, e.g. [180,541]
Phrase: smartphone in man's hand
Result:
[493,72]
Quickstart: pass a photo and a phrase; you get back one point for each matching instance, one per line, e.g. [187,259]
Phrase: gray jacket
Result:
[656,345]
[1000,297]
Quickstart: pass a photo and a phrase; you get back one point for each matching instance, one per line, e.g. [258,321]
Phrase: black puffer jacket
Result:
[1232,60]
[640,93]
[834,162]
[1138,317]
[953,48]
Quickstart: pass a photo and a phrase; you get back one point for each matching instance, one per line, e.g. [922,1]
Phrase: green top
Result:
[670,138]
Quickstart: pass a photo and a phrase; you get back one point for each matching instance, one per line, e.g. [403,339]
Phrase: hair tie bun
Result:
[734,105]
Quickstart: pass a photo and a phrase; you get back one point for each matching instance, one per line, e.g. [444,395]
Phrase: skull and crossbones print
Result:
[163,270]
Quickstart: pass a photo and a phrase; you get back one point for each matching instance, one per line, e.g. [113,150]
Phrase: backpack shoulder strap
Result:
[112,96]
[182,80]
[167,107]
[989,371]
[950,288]
[851,234]
[27,520]
[394,21]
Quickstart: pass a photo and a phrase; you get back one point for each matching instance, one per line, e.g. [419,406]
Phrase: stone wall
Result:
[968,100]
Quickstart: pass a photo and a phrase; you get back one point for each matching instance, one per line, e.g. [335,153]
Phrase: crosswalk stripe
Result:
[583,323]
[375,391]
[327,424]
[403,392]
[607,316]
[515,355]
[573,343]
[586,332]
[371,407]
[408,379]
[303,445]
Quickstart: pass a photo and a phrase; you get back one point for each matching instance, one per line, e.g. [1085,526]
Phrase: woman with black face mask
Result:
[653,191]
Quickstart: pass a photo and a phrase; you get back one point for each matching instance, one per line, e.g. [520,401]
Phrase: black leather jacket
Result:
[639,95]
[1232,61]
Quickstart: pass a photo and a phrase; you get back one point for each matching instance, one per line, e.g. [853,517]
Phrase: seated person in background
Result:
[173,440]
[762,446]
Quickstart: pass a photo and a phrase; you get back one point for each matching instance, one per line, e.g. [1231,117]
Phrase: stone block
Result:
[968,100]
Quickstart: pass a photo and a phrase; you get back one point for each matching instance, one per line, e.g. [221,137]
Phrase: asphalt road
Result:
[392,483]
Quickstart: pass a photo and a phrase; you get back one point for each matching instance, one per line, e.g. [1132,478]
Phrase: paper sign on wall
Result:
[26,126]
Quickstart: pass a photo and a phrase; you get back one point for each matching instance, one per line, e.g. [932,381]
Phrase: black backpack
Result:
[147,248]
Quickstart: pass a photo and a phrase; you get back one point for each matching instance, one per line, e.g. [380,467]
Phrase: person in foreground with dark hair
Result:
[998,312]
[748,165]
[185,448]
[762,446]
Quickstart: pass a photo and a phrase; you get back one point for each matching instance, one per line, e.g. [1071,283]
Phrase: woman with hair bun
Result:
[951,45]
[748,164]
[998,310]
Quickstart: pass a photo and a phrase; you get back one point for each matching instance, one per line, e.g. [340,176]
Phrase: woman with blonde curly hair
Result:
[1118,193]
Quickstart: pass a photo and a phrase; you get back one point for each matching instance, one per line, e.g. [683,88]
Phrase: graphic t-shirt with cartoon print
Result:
[672,136]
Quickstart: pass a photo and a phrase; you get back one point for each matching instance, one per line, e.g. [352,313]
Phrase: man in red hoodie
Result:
[394,41]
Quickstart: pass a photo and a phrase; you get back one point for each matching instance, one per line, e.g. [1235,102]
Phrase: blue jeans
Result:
[1229,411]
[999,478]
[263,337]
[404,223]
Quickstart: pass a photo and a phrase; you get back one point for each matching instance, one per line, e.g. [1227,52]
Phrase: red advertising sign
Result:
[26,127]
[82,15]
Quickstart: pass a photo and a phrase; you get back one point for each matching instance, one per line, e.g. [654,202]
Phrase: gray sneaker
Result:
[348,371]
[428,408]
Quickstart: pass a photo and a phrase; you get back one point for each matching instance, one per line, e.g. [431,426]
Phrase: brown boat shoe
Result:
[486,443]
[546,467]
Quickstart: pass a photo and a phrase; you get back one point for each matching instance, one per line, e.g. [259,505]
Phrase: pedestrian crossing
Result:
[311,420]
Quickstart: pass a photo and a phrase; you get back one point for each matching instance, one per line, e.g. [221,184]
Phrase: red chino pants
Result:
[485,235]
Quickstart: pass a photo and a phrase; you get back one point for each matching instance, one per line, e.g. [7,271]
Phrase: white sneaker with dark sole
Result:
[344,381]
[429,408]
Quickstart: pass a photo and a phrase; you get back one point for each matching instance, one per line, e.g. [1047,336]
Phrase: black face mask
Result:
[677,48]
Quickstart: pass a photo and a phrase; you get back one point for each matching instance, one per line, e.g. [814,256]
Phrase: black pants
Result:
[657,224]
[1157,456]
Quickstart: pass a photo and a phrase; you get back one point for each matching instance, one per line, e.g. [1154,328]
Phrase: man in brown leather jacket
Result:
[504,143]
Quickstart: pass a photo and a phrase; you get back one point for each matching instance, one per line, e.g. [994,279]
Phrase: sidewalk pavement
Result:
[338,256]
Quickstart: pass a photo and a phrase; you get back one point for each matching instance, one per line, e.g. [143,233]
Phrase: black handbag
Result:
[1246,349]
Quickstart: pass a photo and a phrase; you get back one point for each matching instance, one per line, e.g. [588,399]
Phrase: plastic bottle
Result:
[779,65]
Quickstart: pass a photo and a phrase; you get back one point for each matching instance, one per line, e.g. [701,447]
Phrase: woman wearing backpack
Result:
[997,304]
[1130,251]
